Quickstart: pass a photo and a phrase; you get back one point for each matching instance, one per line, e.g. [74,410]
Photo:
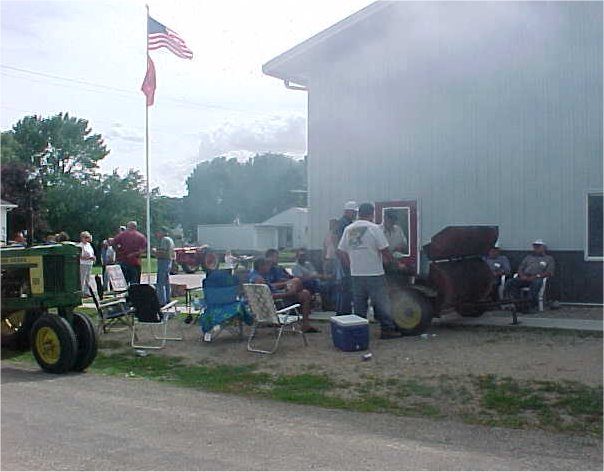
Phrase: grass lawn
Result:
[561,406]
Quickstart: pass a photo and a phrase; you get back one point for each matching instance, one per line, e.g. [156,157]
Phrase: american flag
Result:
[162,37]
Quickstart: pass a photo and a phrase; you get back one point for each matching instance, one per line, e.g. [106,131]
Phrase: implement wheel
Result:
[87,341]
[15,328]
[411,311]
[469,310]
[54,344]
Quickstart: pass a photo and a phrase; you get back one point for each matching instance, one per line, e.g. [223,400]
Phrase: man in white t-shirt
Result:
[365,247]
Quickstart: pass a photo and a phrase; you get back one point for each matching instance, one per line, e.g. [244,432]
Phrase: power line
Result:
[122,91]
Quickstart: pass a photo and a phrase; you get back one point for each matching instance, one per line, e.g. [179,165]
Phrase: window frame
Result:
[587,257]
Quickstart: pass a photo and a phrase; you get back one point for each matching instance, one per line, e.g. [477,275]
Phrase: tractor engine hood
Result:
[455,242]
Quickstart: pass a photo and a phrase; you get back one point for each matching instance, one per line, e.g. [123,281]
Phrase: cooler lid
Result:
[349,320]
[461,241]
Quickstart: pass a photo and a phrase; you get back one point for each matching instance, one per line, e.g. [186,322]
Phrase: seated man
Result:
[290,291]
[533,269]
[499,265]
[276,272]
[310,277]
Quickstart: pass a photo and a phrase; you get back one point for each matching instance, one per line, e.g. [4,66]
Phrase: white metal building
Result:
[462,113]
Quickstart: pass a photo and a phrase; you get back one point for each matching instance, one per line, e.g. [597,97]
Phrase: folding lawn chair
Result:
[148,312]
[266,315]
[223,307]
[111,311]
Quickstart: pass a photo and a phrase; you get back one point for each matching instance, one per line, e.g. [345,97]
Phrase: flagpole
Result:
[148,203]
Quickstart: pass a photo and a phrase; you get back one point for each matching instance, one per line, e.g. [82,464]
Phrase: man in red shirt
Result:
[130,245]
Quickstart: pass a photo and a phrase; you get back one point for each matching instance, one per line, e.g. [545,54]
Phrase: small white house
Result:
[5,207]
[296,219]
[288,229]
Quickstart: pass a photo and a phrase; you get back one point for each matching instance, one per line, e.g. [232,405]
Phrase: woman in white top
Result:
[86,261]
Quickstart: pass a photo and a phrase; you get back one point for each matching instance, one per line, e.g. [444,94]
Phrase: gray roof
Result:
[293,64]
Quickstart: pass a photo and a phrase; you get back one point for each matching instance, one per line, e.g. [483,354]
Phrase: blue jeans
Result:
[132,273]
[344,289]
[513,286]
[374,287]
[162,284]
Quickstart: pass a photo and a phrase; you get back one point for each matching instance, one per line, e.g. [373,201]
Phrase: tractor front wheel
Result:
[54,344]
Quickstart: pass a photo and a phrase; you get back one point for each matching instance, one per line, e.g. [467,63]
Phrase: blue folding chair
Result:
[224,309]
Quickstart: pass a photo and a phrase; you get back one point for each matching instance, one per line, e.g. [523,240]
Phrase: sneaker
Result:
[390,334]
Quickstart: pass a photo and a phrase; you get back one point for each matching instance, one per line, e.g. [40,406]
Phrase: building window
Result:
[594,227]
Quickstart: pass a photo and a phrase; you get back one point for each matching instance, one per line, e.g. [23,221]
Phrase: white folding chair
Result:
[266,315]
[540,294]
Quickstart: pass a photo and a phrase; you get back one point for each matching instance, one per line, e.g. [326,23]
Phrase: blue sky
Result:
[218,103]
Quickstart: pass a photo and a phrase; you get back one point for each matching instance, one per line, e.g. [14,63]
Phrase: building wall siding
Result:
[487,113]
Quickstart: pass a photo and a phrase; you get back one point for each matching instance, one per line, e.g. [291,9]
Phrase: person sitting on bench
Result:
[531,272]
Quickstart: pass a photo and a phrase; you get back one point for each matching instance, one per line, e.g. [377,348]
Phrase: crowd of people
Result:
[355,252]
[126,249]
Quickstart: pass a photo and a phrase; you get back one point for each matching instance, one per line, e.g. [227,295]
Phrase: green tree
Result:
[58,146]
[9,148]
[97,204]
[223,190]
[21,186]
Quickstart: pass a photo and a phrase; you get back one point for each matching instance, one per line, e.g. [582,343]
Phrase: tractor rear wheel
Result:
[411,311]
[54,344]
[15,328]
[87,342]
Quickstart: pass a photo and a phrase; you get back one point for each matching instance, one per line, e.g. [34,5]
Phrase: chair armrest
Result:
[288,308]
[169,305]
[112,302]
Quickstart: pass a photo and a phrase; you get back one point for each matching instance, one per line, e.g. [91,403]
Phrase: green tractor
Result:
[40,292]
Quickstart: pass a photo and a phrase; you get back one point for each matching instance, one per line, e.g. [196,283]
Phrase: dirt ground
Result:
[517,352]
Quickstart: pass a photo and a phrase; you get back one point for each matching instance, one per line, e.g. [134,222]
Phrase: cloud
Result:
[119,131]
[240,140]
[277,134]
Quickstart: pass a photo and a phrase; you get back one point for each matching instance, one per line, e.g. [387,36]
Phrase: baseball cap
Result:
[351,205]
[539,242]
